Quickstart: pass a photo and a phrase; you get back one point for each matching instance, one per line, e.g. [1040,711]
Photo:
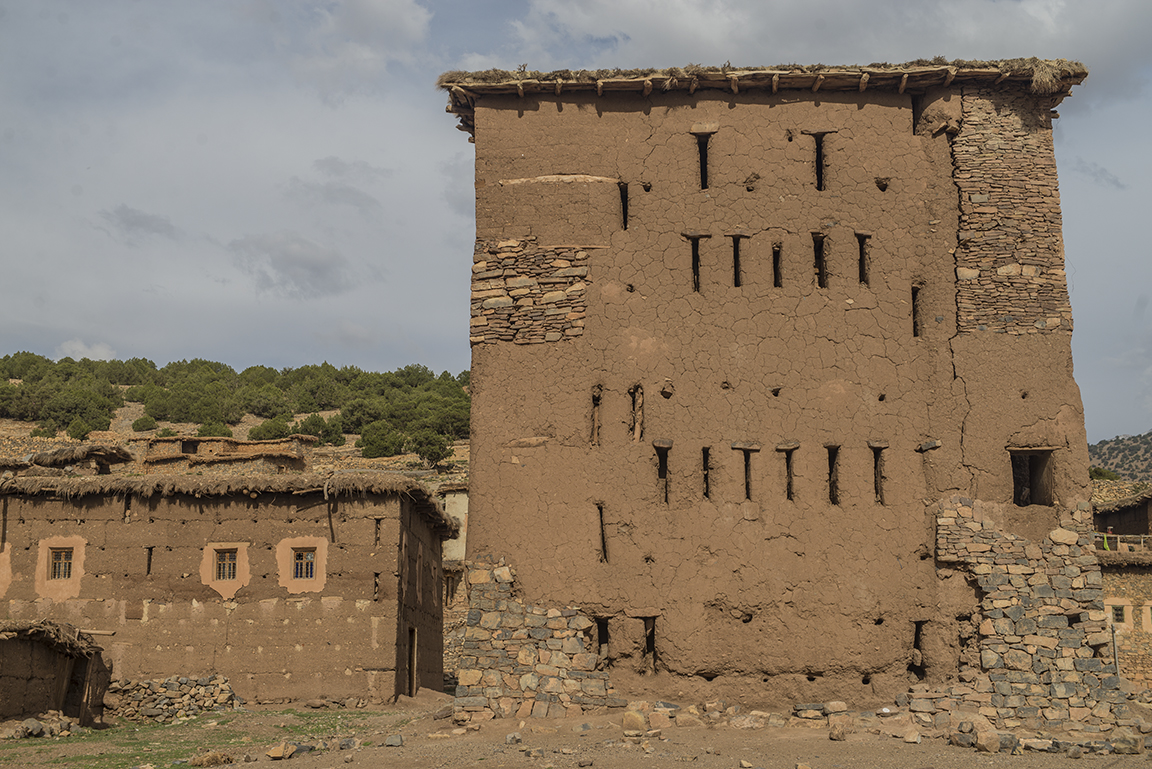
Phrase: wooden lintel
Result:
[864,81]
[819,82]
[903,83]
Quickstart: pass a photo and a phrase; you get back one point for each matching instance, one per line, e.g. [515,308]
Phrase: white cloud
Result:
[333,194]
[77,349]
[130,224]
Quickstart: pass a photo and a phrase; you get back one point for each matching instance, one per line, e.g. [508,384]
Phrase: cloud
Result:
[333,193]
[129,224]
[352,43]
[355,170]
[289,265]
[77,349]
[1096,173]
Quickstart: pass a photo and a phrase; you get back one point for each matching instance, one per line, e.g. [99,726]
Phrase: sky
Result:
[275,182]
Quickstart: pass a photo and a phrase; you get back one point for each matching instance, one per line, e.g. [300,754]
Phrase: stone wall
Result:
[525,293]
[1045,658]
[1010,260]
[176,697]
[526,661]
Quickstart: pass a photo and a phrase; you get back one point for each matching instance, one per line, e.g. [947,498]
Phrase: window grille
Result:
[225,564]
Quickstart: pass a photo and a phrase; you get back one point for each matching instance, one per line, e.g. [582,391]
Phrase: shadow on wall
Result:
[48,666]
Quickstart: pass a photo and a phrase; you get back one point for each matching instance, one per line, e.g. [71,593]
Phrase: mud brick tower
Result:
[772,376]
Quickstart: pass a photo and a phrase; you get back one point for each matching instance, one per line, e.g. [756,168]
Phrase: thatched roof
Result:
[70,455]
[60,636]
[450,488]
[291,440]
[1043,76]
[150,485]
[1114,558]
[1125,503]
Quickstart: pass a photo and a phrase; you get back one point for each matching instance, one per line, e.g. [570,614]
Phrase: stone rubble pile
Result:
[165,700]
[50,724]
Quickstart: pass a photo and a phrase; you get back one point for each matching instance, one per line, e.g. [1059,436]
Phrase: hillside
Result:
[1129,456]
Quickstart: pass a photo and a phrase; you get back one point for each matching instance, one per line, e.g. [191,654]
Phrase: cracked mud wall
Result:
[748,568]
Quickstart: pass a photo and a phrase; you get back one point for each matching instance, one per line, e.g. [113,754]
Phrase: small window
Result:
[225,565]
[61,567]
[1032,478]
[304,563]
[1119,614]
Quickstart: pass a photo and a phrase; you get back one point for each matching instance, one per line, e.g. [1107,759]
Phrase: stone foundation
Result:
[525,661]
[1045,658]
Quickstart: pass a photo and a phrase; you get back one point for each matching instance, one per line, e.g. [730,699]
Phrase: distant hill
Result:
[1129,456]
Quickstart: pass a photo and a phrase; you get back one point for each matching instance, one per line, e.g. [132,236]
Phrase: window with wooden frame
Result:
[60,566]
[225,565]
[304,563]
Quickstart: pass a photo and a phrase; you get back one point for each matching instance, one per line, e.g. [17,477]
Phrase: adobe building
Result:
[294,586]
[772,378]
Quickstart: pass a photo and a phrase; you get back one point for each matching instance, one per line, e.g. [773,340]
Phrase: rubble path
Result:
[431,740]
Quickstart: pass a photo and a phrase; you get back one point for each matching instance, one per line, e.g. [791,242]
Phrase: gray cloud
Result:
[289,265]
[77,349]
[130,224]
[355,170]
[1096,173]
[333,193]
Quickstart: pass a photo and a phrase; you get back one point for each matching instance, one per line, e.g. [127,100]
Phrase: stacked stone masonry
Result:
[525,661]
[1009,263]
[527,294]
[164,700]
[1045,658]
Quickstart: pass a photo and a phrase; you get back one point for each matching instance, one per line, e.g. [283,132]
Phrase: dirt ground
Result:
[428,742]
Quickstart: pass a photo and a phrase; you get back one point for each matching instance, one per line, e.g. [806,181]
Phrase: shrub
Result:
[430,446]
[78,429]
[213,430]
[380,439]
[166,432]
[270,430]
[144,423]
[1102,474]
[46,429]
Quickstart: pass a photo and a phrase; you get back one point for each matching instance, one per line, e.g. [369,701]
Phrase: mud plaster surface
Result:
[804,597]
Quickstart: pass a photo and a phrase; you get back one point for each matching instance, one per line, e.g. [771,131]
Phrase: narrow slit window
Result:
[623,204]
[61,565]
[833,474]
[705,461]
[597,394]
[148,562]
[862,242]
[702,147]
[376,586]
[916,291]
[820,160]
[820,266]
[747,474]
[788,462]
[603,534]
[777,267]
[379,526]
[916,666]
[636,427]
[1118,614]
[662,449]
[304,563]
[650,642]
[602,638]
[225,565]
[696,265]
[736,279]
[878,473]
